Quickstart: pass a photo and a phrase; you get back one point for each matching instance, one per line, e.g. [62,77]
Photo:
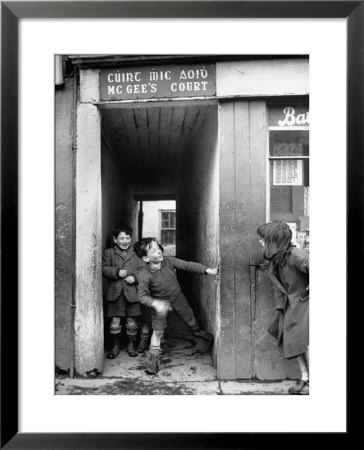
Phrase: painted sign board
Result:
[194,80]
[288,115]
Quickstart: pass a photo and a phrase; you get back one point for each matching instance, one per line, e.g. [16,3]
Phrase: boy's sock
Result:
[144,338]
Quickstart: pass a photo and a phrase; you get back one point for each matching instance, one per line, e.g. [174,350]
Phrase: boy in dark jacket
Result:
[118,264]
[159,289]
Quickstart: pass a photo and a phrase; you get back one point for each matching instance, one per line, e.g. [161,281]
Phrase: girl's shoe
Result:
[298,388]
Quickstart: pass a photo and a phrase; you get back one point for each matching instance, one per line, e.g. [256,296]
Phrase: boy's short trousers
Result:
[121,307]
[182,308]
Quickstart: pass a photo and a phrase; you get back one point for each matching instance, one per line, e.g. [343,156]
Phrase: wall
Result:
[63,224]
[118,204]
[242,143]
[197,220]
[152,219]
[247,306]
[263,78]
[89,348]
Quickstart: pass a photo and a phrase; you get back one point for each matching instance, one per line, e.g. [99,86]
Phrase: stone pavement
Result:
[186,368]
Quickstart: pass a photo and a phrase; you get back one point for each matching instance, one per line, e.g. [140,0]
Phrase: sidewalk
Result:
[186,368]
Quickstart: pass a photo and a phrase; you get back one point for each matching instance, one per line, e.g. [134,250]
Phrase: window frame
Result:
[161,228]
[270,158]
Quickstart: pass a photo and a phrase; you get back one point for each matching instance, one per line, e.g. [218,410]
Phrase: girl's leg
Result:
[303,367]
[306,355]
[297,389]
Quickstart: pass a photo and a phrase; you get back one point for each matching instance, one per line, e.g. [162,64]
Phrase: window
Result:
[289,169]
[168,227]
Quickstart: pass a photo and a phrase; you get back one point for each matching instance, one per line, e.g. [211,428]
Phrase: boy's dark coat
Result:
[112,261]
[290,284]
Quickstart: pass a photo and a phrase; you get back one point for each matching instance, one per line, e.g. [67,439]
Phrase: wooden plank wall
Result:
[242,143]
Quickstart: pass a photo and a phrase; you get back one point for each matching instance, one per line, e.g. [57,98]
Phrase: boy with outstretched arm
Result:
[159,289]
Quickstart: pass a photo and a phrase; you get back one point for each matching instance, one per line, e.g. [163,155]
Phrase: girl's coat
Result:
[290,284]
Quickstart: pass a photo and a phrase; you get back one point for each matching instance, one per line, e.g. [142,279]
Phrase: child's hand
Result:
[214,271]
[130,279]
[161,306]
[122,273]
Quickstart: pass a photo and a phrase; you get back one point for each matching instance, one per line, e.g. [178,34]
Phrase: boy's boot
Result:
[131,348]
[197,332]
[208,337]
[152,365]
[116,346]
[131,331]
[163,345]
[143,343]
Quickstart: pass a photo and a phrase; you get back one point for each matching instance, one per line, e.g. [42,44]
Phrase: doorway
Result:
[166,152]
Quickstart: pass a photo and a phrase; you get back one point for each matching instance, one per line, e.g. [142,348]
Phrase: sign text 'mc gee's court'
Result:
[158,82]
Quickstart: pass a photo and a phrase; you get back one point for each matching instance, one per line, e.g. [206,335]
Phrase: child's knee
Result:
[115,326]
[131,325]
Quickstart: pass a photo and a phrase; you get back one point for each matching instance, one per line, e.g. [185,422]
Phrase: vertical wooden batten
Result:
[243,207]
[226,347]
[89,341]
[258,161]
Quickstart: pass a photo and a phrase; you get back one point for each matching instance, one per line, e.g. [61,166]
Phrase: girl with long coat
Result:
[288,269]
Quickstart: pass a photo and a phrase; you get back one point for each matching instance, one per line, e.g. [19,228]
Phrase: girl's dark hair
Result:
[122,227]
[141,247]
[261,230]
[277,240]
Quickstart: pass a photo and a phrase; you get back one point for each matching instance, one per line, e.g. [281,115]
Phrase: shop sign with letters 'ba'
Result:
[193,80]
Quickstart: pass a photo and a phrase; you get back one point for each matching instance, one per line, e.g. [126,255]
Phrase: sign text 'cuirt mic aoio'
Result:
[131,83]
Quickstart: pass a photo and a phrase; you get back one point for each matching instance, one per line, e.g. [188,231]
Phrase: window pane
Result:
[168,219]
[168,237]
[288,143]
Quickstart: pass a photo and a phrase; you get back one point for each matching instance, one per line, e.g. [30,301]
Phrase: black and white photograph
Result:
[177,177]
[182,224]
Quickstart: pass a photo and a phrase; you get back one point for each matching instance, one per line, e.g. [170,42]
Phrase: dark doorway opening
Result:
[159,151]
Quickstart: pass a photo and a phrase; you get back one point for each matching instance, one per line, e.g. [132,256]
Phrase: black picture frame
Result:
[11,12]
